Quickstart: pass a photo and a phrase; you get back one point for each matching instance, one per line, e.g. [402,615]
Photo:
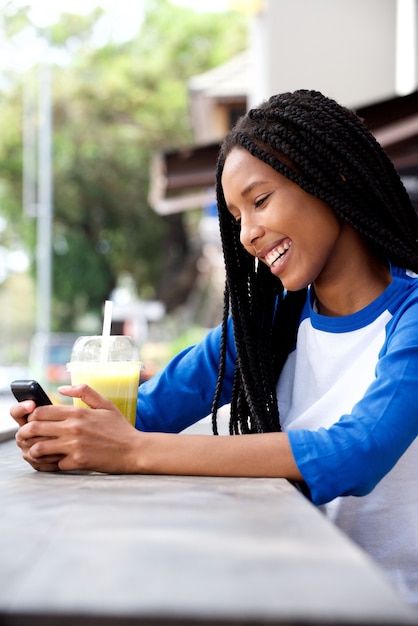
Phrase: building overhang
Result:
[184,179]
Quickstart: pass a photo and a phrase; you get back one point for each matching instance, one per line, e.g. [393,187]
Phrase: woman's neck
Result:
[354,277]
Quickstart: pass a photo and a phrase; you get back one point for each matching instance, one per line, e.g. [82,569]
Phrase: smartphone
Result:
[29,390]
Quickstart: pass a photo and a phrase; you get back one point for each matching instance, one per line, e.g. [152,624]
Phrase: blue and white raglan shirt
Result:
[348,399]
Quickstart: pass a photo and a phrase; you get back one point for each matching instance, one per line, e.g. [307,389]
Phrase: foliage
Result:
[114,106]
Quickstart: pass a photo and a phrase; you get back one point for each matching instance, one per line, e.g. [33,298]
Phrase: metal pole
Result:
[29,145]
[44,222]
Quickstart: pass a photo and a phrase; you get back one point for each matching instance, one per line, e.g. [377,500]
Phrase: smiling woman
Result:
[317,353]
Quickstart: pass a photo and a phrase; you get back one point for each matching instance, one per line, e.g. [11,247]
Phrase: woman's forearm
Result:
[259,455]
[101,439]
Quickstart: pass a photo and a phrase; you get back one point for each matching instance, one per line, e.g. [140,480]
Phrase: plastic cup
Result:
[109,365]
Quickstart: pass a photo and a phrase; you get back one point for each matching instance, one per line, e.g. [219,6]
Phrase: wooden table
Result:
[89,549]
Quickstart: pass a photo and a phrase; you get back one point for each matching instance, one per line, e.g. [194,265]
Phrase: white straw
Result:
[107,321]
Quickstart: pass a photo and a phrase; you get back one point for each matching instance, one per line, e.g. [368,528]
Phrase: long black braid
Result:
[327,150]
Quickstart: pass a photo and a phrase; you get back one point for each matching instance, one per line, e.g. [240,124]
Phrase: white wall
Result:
[344,48]
[406,46]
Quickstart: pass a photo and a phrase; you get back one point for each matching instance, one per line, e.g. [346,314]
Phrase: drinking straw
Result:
[107,321]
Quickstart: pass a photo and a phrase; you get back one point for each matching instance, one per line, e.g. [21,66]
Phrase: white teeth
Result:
[276,253]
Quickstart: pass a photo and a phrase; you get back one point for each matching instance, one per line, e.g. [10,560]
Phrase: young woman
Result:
[318,350]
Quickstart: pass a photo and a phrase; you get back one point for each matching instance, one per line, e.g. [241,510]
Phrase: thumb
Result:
[90,397]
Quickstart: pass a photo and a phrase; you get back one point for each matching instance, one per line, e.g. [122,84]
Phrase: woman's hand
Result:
[65,437]
[99,438]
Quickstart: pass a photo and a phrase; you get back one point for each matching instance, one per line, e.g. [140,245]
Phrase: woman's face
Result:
[289,230]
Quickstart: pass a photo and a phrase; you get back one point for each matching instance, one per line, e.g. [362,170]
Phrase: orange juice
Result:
[117,381]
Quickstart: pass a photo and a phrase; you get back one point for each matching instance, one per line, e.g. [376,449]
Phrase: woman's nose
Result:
[250,233]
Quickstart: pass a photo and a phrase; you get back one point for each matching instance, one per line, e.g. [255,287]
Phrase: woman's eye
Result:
[236,220]
[260,201]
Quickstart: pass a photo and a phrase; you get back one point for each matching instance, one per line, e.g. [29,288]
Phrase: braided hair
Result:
[327,151]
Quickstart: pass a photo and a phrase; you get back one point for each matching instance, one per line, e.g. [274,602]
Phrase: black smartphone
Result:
[29,390]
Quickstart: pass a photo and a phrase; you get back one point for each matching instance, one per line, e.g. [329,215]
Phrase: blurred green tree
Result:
[114,105]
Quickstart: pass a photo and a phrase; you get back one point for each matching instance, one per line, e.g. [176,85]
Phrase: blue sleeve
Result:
[182,393]
[355,453]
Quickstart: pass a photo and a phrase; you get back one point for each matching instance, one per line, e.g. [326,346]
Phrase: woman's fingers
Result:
[47,463]
[87,395]
[21,410]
